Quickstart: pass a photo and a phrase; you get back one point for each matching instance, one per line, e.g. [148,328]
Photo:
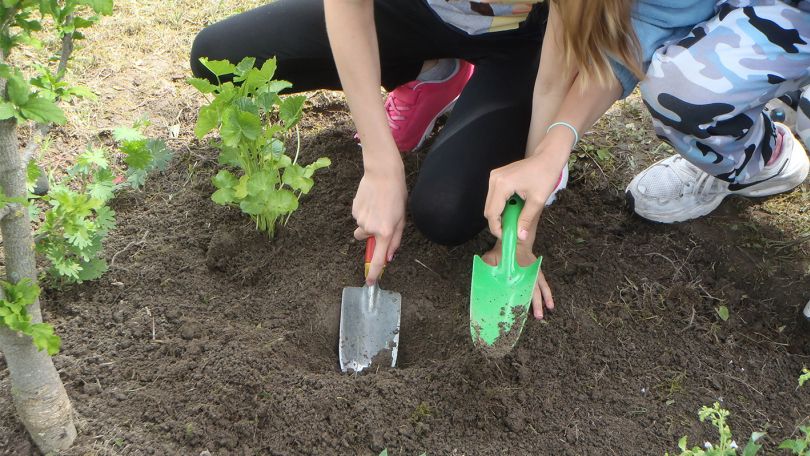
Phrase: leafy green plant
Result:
[266,182]
[78,217]
[725,446]
[35,98]
[38,393]
[142,155]
[799,447]
[805,377]
[13,311]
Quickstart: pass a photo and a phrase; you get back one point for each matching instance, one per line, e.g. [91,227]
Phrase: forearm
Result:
[551,85]
[353,39]
[582,106]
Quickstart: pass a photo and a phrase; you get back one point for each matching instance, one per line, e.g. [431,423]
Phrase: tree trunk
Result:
[39,396]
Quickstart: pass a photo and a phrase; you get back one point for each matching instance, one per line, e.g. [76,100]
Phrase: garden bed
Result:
[205,335]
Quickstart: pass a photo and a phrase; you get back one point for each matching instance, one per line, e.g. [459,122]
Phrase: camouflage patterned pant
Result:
[707,91]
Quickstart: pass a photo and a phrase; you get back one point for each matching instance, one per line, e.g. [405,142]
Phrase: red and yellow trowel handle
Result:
[371,244]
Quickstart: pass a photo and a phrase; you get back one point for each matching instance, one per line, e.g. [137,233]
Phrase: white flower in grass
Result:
[708,445]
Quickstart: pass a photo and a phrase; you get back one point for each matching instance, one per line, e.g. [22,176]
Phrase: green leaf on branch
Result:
[103,7]
[42,110]
[14,313]
[7,110]
[44,338]
[18,89]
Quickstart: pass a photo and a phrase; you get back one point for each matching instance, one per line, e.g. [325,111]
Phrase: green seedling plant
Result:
[78,217]
[717,416]
[726,446]
[805,377]
[253,121]
[798,447]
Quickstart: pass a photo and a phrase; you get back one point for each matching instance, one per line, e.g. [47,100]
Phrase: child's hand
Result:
[379,209]
[541,297]
[533,179]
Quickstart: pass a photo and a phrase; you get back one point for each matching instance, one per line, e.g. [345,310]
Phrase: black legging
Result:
[489,124]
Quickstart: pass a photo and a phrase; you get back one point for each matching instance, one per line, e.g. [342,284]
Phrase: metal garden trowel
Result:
[369,324]
[500,295]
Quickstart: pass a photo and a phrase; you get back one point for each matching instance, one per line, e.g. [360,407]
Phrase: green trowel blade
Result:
[500,296]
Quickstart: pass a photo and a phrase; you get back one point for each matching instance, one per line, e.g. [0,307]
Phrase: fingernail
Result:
[523,234]
[390,257]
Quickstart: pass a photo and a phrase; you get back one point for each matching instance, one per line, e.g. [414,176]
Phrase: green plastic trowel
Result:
[500,295]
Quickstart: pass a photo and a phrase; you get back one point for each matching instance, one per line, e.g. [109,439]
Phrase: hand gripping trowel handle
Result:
[371,244]
[372,290]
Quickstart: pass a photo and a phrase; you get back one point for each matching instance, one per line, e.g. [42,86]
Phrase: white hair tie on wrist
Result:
[565,124]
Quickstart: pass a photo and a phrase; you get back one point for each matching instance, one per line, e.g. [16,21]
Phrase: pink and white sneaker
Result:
[413,108]
[561,184]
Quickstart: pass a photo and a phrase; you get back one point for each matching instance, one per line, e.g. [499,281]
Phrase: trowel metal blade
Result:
[369,328]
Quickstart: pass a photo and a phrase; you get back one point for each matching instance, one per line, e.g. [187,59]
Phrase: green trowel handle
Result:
[509,222]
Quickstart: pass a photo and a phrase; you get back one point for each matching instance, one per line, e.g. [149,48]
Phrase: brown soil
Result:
[206,335]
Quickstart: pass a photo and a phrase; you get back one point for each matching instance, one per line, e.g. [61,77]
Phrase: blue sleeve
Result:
[650,37]
[626,78]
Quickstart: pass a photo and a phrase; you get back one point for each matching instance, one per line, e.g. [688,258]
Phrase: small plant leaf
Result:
[722,312]
[42,110]
[243,67]
[290,110]
[92,270]
[295,177]
[202,85]
[18,89]
[224,179]
[218,67]
[7,110]
[752,448]
[207,120]
[126,134]
[796,446]
[44,338]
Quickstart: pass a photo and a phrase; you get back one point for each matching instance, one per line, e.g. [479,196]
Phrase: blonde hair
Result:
[594,31]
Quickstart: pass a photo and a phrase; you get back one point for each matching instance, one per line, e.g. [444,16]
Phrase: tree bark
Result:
[39,396]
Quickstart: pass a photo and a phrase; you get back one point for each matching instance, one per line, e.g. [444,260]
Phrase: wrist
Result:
[563,134]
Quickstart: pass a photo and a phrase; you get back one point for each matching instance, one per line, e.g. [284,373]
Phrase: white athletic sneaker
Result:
[674,190]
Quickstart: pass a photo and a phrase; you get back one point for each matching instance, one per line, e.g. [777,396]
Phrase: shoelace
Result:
[704,183]
[395,107]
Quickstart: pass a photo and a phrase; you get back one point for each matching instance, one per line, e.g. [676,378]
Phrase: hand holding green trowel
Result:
[500,295]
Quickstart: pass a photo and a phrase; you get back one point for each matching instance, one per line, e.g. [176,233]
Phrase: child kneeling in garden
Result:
[544,72]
